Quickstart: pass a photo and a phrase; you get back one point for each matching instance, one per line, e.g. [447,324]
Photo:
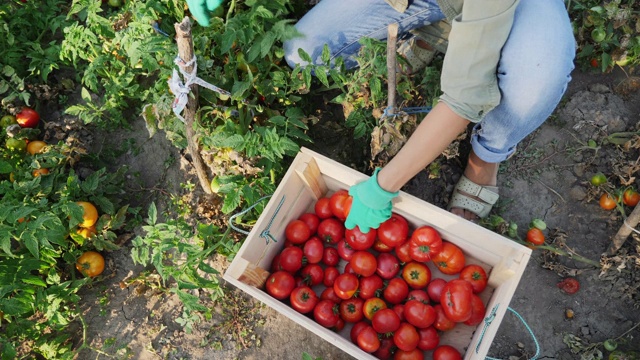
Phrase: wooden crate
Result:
[312,176]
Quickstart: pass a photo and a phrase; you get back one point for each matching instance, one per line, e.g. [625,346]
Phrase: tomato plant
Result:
[476,276]
[425,243]
[303,299]
[416,274]
[450,260]
[90,264]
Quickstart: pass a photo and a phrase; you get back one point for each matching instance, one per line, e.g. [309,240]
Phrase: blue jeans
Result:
[533,72]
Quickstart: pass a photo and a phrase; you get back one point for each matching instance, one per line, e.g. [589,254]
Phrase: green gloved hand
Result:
[200,9]
[371,204]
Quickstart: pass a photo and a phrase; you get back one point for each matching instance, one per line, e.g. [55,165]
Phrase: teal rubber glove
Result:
[371,205]
[201,9]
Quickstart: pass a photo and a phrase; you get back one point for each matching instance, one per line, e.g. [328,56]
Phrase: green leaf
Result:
[33,280]
[190,302]
[5,167]
[231,202]
[321,74]
[86,96]
[304,56]
[104,204]
[152,214]
[326,55]
[32,244]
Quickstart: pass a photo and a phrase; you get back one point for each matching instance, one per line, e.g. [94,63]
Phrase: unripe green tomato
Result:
[598,34]
[610,344]
[8,120]
[598,179]
[16,144]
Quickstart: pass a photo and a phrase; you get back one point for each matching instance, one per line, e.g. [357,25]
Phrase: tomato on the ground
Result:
[90,264]
[476,276]
[425,243]
[416,274]
[535,236]
[303,299]
[450,260]
[569,285]
[630,197]
[607,202]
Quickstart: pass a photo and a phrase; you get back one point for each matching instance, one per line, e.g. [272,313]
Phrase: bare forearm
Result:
[439,128]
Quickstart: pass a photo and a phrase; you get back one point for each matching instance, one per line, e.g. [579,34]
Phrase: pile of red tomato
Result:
[386,290]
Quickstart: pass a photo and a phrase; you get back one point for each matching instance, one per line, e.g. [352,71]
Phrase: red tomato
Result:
[385,321]
[330,275]
[476,276]
[630,197]
[356,329]
[535,236]
[370,286]
[312,220]
[429,338]
[425,243]
[381,247]
[344,250]
[348,269]
[569,285]
[396,291]
[415,354]
[406,337]
[313,250]
[329,294]
[372,306]
[446,352]
[416,274]
[280,284]
[368,340]
[420,295]
[297,232]
[456,300]
[434,289]
[388,266]
[351,310]
[331,230]
[326,313]
[399,309]
[275,263]
[303,299]
[477,311]
[345,285]
[322,208]
[28,118]
[312,274]
[337,202]
[359,240]
[385,351]
[403,252]
[607,202]
[442,323]
[450,260]
[339,325]
[330,256]
[291,259]
[419,314]
[363,263]
[394,231]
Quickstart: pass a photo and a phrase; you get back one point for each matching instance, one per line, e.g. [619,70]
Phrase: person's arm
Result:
[438,129]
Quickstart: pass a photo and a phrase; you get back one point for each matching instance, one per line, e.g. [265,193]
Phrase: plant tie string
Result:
[181,90]
[406,110]
[489,319]
[265,234]
[630,227]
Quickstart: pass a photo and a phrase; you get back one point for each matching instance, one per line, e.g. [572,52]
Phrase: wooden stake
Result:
[392,40]
[625,230]
[185,51]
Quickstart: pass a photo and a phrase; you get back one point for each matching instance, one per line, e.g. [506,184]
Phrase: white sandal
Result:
[416,57]
[466,195]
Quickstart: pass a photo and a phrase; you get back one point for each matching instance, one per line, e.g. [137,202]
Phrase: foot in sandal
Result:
[476,191]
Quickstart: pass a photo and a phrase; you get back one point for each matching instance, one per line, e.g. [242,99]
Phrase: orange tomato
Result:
[607,202]
[631,197]
[38,172]
[535,236]
[90,264]
[90,215]
[36,147]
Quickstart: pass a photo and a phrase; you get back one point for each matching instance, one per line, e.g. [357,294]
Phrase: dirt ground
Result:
[547,179]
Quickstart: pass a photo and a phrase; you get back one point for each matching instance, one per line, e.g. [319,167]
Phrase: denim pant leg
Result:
[533,73]
[341,23]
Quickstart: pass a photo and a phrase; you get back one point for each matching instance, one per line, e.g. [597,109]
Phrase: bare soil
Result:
[548,178]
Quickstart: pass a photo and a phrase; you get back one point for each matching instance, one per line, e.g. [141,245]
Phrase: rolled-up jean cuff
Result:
[487,155]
